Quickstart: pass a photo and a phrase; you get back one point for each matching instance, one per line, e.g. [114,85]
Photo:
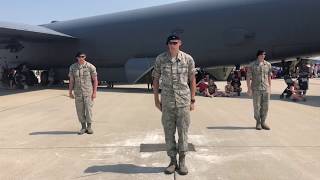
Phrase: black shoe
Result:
[89,129]
[258,126]
[265,126]
[172,167]
[83,129]
[182,170]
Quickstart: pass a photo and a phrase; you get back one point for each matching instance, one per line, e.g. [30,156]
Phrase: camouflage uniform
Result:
[175,98]
[260,88]
[83,89]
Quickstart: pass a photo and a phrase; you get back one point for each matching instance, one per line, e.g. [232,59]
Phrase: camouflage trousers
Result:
[176,118]
[260,105]
[84,109]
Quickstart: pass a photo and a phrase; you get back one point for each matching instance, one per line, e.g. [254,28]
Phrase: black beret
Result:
[173,37]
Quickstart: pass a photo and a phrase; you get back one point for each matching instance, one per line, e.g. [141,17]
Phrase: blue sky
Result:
[44,11]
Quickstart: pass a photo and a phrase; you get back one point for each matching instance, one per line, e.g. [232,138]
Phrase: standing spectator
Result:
[236,83]
[51,77]
[11,76]
[316,69]
[243,73]
[229,91]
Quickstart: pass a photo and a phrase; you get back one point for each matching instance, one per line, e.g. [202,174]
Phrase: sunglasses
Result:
[173,43]
[82,56]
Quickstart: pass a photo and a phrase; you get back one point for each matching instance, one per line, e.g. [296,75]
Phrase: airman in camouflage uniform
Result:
[83,81]
[259,86]
[176,69]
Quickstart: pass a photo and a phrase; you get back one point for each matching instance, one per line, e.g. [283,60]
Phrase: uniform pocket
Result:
[86,73]
[166,69]
[76,73]
[183,73]
[166,73]
[86,77]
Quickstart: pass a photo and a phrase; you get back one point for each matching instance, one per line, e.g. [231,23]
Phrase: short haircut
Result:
[79,54]
[260,52]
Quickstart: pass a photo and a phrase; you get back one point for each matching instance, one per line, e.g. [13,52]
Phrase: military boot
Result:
[172,166]
[183,170]
[265,126]
[83,129]
[89,130]
[258,126]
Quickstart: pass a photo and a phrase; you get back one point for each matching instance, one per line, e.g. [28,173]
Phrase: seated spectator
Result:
[202,87]
[295,93]
[236,83]
[229,91]
[213,89]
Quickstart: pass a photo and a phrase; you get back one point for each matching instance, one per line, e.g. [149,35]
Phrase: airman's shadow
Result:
[124,169]
[53,133]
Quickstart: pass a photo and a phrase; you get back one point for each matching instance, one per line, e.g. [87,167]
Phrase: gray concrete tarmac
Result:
[38,137]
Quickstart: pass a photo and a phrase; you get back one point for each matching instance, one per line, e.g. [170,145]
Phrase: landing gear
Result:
[24,78]
[44,78]
[47,78]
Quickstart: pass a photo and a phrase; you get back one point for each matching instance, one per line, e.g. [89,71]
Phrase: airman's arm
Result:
[192,80]
[94,77]
[71,84]
[249,77]
[156,74]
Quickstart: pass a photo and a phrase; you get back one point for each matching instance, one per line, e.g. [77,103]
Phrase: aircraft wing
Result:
[24,32]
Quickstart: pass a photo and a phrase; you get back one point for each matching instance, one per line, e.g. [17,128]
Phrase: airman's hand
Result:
[192,107]
[269,90]
[71,95]
[94,95]
[159,105]
[249,92]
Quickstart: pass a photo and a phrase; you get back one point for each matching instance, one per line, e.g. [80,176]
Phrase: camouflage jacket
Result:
[175,74]
[82,76]
[259,73]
